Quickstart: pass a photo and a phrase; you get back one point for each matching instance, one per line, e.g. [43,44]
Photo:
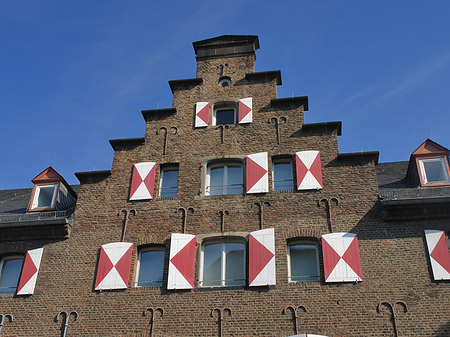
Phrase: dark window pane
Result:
[234,268]
[282,176]
[45,197]
[10,274]
[169,183]
[225,116]
[304,263]
[151,268]
[435,170]
[212,265]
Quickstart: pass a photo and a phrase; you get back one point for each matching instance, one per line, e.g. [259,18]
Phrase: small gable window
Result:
[150,267]
[44,196]
[169,182]
[282,175]
[224,113]
[434,171]
[10,267]
[223,263]
[224,178]
[303,262]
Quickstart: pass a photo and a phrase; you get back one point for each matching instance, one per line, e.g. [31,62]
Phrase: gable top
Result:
[50,176]
[226,45]
[430,147]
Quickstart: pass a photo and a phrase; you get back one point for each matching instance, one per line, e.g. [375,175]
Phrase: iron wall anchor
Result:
[185,213]
[327,203]
[222,133]
[2,319]
[391,307]
[125,220]
[294,314]
[222,214]
[277,121]
[166,135]
[66,320]
[153,317]
[220,313]
[261,212]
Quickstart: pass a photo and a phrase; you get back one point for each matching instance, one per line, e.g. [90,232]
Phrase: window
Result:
[282,175]
[224,81]
[303,261]
[169,182]
[10,268]
[223,264]
[224,113]
[224,179]
[434,171]
[150,267]
[44,196]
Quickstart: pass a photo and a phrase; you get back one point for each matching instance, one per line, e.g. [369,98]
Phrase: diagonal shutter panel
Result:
[309,170]
[182,261]
[261,260]
[341,261]
[438,254]
[113,271]
[202,114]
[257,177]
[245,112]
[143,181]
[30,271]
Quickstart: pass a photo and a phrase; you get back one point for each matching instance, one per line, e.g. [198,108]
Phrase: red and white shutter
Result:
[309,170]
[245,111]
[143,181]
[30,271]
[257,177]
[182,261]
[261,260]
[113,271]
[341,261]
[202,114]
[438,253]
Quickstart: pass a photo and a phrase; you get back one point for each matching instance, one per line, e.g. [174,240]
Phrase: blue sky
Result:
[74,74]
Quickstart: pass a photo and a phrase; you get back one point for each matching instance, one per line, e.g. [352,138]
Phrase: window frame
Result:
[304,242]
[423,174]
[34,204]
[2,264]
[222,241]
[225,164]
[289,161]
[225,105]
[146,249]
[163,169]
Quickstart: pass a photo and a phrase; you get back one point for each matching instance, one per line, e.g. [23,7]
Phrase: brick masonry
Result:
[393,255]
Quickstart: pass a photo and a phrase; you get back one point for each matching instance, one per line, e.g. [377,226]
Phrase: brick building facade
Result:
[232,217]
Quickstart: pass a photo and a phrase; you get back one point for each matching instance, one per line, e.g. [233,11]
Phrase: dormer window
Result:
[51,192]
[44,196]
[434,171]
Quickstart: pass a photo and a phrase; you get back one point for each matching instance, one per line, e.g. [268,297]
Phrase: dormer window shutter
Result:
[30,270]
[202,110]
[438,254]
[113,271]
[257,177]
[261,260]
[182,261]
[143,181]
[309,170]
[341,260]
[245,111]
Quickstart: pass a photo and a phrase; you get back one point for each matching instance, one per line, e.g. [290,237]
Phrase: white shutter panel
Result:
[30,271]
[143,181]
[341,261]
[245,113]
[257,177]
[113,271]
[438,254]
[309,170]
[261,269]
[202,114]
[182,261]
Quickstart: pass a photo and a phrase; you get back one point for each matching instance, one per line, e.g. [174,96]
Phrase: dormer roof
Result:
[226,46]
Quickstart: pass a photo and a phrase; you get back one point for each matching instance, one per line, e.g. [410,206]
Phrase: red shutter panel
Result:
[113,271]
[341,261]
[261,260]
[143,181]
[257,177]
[438,254]
[182,261]
[202,114]
[245,113]
[309,170]
[30,271]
